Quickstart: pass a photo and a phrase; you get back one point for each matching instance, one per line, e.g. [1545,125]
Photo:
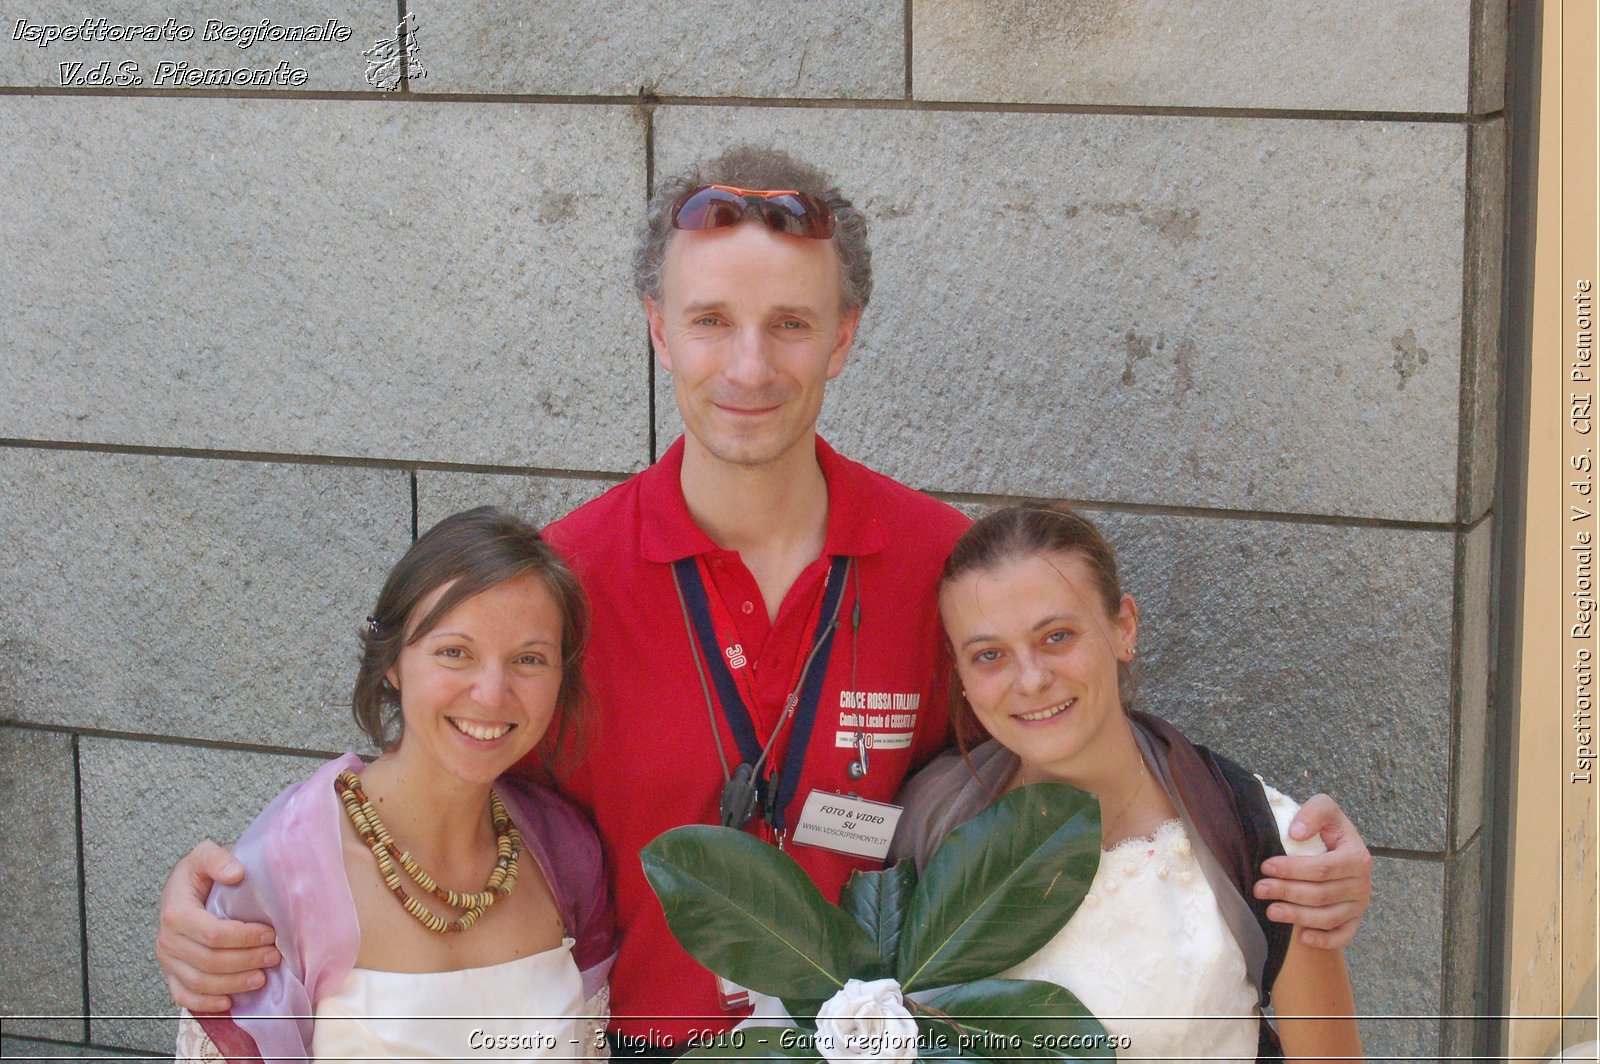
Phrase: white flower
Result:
[867,1021]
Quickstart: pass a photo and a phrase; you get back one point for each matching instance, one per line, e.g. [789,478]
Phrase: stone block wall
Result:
[1227,275]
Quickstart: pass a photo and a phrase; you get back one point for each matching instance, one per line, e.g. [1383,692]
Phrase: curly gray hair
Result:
[747,166]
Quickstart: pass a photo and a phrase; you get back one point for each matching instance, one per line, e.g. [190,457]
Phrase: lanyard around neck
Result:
[802,701]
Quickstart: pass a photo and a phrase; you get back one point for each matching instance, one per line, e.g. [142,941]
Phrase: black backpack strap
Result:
[1229,811]
[1260,829]
[1269,1049]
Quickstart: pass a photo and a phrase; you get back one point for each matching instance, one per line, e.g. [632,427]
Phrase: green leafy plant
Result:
[993,894]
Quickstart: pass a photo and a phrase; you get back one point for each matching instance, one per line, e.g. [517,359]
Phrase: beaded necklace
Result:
[508,847]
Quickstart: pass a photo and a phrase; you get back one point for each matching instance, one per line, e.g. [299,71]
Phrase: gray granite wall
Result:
[1228,275]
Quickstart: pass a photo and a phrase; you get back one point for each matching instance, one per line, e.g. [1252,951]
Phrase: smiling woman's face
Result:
[478,691]
[1038,656]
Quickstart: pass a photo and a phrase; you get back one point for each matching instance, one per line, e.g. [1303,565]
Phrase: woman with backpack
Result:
[1170,948]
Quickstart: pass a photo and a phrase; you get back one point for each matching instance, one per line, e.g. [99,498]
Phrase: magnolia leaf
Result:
[747,911]
[757,1043]
[803,1011]
[1011,1019]
[878,902]
[1000,886]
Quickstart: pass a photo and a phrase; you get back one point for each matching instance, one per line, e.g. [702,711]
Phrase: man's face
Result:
[751,326]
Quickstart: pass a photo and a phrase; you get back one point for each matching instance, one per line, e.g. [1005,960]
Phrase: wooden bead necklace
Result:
[508,847]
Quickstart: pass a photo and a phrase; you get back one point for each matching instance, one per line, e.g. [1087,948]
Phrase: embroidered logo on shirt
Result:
[883,720]
[736,656]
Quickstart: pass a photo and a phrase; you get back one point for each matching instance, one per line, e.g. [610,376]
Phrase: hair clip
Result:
[373,627]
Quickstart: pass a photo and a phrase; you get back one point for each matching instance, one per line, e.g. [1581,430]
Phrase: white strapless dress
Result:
[1149,953]
[531,1008]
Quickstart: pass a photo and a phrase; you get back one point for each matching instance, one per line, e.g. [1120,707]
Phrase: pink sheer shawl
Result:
[294,881]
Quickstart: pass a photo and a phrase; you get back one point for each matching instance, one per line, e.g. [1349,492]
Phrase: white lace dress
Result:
[1149,954]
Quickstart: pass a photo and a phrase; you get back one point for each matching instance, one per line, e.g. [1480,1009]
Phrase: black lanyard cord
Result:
[700,671]
[800,707]
[687,576]
[809,691]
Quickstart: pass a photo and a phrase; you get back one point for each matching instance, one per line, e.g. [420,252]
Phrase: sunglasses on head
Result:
[781,210]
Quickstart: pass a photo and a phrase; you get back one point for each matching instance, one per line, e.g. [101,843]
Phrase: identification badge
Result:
[844,824]
[730,994]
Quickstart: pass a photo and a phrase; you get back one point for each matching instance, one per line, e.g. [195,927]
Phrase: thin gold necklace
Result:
[1144,775]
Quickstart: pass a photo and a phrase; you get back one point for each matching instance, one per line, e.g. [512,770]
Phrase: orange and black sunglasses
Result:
[782,210]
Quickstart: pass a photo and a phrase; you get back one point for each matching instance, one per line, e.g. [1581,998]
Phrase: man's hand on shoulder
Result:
[206,958]
[1327,894]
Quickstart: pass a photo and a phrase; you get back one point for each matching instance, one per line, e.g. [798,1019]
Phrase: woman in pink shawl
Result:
[427,906]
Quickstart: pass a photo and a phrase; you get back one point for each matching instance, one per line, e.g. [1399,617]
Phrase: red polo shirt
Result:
[651,762]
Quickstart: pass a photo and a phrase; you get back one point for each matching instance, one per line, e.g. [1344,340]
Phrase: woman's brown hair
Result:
[471,552]
[1014,532]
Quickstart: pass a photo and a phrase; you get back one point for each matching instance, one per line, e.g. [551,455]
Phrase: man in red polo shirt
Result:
[774,539]
[763,608]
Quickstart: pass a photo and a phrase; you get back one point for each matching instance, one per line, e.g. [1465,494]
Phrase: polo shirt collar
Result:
[667,532]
